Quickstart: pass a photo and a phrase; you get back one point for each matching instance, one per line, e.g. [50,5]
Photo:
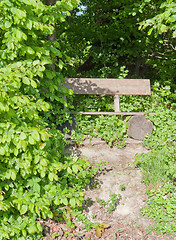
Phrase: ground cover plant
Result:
[159,165]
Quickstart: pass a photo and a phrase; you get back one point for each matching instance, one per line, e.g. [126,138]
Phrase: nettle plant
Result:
[36,179]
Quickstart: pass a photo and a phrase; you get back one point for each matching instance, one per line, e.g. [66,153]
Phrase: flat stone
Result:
[139,127]
[93,141]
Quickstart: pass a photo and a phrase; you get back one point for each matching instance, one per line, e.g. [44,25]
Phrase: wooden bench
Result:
[115,87]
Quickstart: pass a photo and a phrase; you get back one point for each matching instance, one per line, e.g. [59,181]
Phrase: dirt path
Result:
[118,177]
[126,221]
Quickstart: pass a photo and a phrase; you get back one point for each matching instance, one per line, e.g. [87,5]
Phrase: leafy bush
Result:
[35,175]
[37,179]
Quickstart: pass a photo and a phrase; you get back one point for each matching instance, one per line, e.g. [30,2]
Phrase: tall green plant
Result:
[36,179]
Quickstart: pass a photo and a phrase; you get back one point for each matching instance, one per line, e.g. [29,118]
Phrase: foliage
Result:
[103,45]
[122,38]
[163,22]
[95,127]
[37,179]
[162,207]
[111,203]
[122,187]
[161,30]
[158,165]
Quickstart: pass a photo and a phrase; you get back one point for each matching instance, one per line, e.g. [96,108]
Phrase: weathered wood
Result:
[108,86]
[112,113]
[116,103]
[139,127]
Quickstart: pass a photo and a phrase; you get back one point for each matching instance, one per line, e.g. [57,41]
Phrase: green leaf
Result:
[31,140]
[174,34]
[69,170]
[36,187]
[43,162]
[51,176]
[23,145]
[36,159]
[43,174]
[50,214]
[150,31]
[2,151]
[39,227]
[22,136]
[36,62]
[56,52]
[75,168]
[72,202]
[163,28]
[13,174]
[33,84]
[23,209]
[19,35]
[35,135]
[56,201]
[26,80]
[44,136]
[50,74]
[24,232]
[30,50]
[16,151]
[61,64]
[31,207]
[64,201]
[7,24]
[29,24]
[32,229]
[172,18]
[1,197]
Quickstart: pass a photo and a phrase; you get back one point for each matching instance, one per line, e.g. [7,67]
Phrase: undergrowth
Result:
[159,164]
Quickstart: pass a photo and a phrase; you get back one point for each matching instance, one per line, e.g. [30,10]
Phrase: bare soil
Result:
[125,222]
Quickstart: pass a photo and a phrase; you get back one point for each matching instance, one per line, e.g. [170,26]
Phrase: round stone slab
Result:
[139,126]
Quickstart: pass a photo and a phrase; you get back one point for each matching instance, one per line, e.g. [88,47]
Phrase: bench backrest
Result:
[109,86]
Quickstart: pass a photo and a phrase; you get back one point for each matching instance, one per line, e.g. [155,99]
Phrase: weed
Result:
[102,202]
[162,208]
[122,187]
[111,203]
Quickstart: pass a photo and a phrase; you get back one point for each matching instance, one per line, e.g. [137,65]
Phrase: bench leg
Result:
[116,103]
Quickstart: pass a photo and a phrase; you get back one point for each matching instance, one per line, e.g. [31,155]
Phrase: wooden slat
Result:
[111,113]
[108,86]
